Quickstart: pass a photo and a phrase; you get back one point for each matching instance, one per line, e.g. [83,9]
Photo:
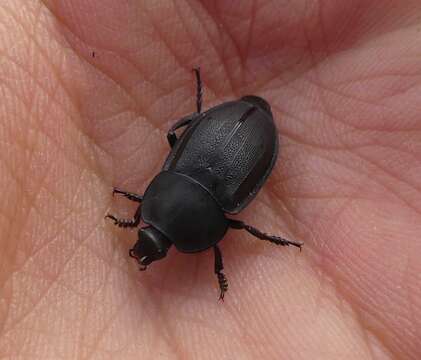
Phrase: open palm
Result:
[89,89]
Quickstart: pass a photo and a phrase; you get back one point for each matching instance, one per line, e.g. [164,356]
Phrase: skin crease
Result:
[89,89]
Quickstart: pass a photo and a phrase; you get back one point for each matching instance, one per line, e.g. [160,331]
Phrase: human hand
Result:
[89,89]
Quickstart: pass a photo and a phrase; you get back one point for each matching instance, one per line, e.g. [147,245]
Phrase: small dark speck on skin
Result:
[93,54]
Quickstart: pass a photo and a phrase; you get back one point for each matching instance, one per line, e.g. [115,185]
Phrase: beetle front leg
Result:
[128,195]
[237,224]
[222,280]
[127,222]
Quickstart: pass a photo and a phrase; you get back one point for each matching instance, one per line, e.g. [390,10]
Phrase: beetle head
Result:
[151,245]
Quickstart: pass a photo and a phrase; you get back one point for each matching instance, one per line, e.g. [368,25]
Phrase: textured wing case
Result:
[230,150]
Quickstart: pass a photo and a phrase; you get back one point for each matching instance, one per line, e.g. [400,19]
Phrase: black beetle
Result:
[217,166]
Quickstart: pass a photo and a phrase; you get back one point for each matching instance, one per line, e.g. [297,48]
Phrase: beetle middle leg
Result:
[127,222]
[222,280]
[237,224]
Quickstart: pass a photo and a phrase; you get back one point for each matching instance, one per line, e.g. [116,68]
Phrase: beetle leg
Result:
[237,224]
[171,136]
[128,195]
[222,280]
[199,92]
[127,222]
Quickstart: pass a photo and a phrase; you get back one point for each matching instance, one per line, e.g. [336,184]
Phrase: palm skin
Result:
[89,89]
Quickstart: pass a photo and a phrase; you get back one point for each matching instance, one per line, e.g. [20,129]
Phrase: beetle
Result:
[216,167]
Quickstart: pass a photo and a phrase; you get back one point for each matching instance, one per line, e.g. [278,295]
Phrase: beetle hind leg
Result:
[126,223]
[222,280]
[237,224]
[171,135]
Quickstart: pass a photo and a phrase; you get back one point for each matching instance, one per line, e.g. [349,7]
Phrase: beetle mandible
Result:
[216,167]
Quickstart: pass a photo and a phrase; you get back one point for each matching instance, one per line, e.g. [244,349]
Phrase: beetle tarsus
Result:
[237,224]
[131,196]
[219,266]
[126,223]
[199,92]
[223,285]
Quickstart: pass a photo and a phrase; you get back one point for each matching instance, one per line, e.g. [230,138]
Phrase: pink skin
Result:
[88,90]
